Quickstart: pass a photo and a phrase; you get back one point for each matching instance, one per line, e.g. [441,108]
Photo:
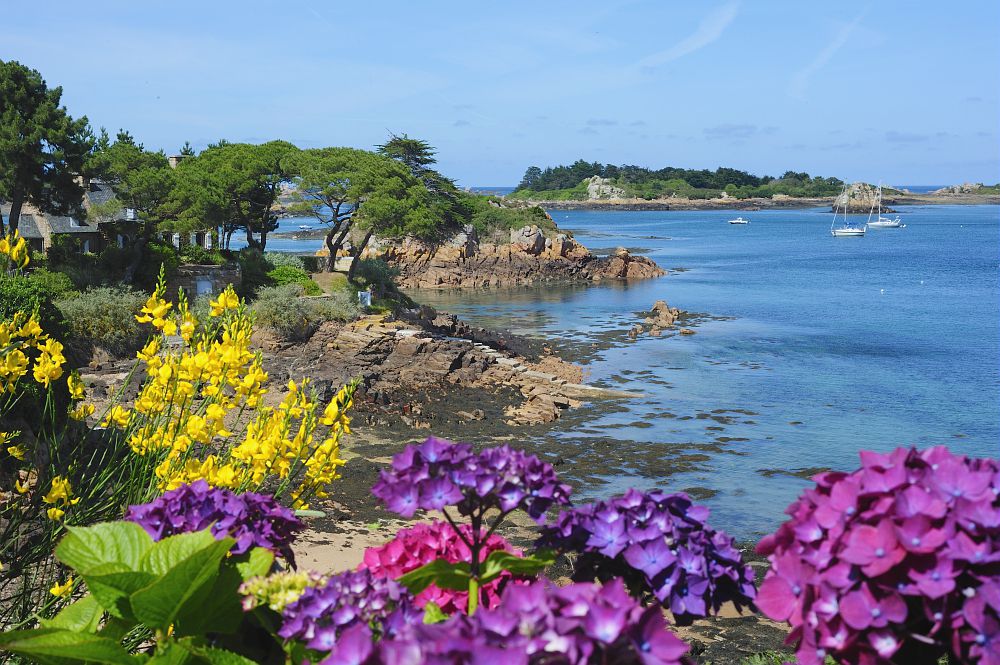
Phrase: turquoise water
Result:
[807,349]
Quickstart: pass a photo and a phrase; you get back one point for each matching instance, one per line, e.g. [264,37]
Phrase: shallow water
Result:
[808,348]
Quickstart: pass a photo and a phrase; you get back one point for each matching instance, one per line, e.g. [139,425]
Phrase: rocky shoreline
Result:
[778,202]
[529,257]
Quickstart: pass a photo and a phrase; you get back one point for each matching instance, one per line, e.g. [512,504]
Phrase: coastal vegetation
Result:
[570,183]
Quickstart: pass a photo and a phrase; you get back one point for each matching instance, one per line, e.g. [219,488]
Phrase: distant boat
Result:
[304,227]
[880,221]
[739,220]
[847,228]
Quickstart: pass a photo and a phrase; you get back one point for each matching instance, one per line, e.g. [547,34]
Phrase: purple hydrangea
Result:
[253,520]
[896,562]
[439,473]
[536,623]
[659,543]
[322,615]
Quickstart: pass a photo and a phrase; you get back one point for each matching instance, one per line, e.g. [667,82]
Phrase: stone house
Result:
[40,229]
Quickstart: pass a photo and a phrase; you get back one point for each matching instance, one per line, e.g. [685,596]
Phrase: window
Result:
[85,247]
[74,223]
[130,215]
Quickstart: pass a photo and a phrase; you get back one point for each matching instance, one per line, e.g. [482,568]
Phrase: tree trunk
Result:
[331,261]
[357,255]
[338,243]
[15,212]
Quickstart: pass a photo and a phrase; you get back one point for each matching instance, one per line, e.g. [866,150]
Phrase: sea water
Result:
[807,348]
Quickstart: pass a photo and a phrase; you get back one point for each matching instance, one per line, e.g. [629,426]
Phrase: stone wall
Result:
[199,280]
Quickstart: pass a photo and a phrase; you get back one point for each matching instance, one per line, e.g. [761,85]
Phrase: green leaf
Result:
[173,652]
[433,613]
[58,647]
[86,548]
[116,629]
[83,616]
[454,576]
[184,585]
[254,563]
[222,611]
[222,657]
[499,561]
[170,551]
[112,584]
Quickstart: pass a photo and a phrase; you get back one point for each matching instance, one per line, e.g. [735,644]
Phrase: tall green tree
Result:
[142,181]
[354,190]
[42,148]
[233,187]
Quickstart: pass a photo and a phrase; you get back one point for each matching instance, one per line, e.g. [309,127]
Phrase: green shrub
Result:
[105,317]
[279,259]
[291,275]
[157,254]
[283,310]
[21,294]
[376,274]
[200,256]
[55,284]
[254,267]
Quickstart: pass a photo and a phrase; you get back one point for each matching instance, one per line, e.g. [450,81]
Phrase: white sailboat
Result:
[881,222]
[739,220]
[847,229]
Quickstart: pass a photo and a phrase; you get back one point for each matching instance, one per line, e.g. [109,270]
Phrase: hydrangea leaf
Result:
[85,548]
[254,563]
[112,584]
[56,646]
[83,616]
[499,561]
[446,575]
[171,551]
[433,613]
[181,590]
[222,611]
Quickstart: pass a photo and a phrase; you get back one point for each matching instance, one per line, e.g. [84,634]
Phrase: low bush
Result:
[21,294]
[105,317]
[199,255]
[284,311]
[279,259]
[377,275]
[286,274]
[54,284]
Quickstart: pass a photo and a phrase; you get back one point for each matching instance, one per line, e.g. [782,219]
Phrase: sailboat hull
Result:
[847,233]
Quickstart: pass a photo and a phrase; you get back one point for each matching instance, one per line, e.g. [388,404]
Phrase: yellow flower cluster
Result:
[14,250]
[199,389]
[19,337]
[60,496]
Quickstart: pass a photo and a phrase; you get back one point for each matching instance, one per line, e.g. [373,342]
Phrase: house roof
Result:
[28,227]
[28,224]
[99,192]
[60,224]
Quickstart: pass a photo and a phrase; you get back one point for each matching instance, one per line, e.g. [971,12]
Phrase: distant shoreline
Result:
[758,203]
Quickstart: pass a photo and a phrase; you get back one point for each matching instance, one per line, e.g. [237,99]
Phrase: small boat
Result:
[304,227]
[847,229]
[881,222]
[739,220]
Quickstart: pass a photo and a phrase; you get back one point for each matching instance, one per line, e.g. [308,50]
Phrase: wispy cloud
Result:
[737,132]
[800,81]
[904,137]
[708,31]
[601,122]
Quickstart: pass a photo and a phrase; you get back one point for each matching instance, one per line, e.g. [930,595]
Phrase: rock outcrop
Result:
[530,256]
[659,318]
[964,188]
[599,188]
[860,198]
[400,360]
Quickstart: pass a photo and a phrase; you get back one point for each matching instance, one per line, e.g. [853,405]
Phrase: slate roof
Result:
[99,192]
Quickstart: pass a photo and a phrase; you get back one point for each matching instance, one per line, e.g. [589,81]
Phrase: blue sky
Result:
[906,92]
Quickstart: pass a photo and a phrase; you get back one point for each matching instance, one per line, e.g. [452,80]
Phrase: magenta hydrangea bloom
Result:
[421,544]
[438,473]
[253,520]
[535,623]
[660,544]
[323,615]
[896,562]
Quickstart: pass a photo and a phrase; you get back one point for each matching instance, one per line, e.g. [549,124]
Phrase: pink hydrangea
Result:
[423,543]
[896,562]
